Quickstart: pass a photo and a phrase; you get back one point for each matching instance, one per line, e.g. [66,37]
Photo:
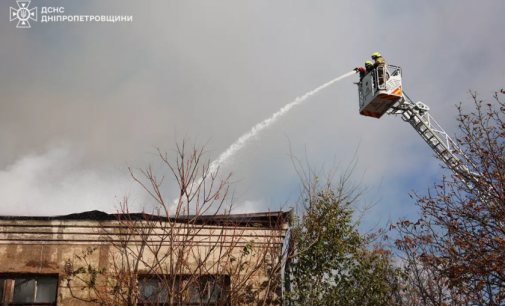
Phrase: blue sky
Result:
[81,101]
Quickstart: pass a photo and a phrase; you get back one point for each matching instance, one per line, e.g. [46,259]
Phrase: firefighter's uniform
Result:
[380,62]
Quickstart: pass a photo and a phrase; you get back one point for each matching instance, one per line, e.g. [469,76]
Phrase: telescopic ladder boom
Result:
[446,149]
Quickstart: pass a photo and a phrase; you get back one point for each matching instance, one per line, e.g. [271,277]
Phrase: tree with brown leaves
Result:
[455,252]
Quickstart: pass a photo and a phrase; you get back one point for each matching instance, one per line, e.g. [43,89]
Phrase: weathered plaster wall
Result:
[44,247]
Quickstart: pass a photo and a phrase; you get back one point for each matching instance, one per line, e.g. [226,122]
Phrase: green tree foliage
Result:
[334,263]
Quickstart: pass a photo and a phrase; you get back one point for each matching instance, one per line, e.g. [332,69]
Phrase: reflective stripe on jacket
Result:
[380,62]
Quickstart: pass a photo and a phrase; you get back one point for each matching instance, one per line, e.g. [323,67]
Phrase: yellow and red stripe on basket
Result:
[397,91]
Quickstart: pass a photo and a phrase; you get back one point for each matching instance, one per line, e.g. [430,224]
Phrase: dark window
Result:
[24,290]
[28,289]
[2,281]
[152,290]
[206,290]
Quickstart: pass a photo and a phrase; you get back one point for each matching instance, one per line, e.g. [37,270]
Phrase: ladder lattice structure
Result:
[446,149]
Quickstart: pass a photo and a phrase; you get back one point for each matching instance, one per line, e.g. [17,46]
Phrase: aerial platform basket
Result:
[379,90]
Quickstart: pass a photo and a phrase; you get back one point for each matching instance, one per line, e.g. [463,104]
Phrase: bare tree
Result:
[192,251]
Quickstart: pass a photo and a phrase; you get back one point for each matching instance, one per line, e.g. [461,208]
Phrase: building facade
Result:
[140,259]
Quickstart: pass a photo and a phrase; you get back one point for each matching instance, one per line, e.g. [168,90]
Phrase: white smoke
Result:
[55,183]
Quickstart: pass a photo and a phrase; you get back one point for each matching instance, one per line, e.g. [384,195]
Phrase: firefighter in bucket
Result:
[380,65]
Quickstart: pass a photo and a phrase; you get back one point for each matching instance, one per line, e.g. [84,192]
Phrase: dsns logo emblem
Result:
[23,14]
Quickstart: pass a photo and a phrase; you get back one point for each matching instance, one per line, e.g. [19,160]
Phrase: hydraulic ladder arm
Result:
[416,114]
[446,149]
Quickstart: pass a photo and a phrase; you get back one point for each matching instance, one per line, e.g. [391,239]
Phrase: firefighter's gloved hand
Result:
[356,69]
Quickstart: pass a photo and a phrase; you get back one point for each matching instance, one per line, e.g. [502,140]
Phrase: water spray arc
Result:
[242,140]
